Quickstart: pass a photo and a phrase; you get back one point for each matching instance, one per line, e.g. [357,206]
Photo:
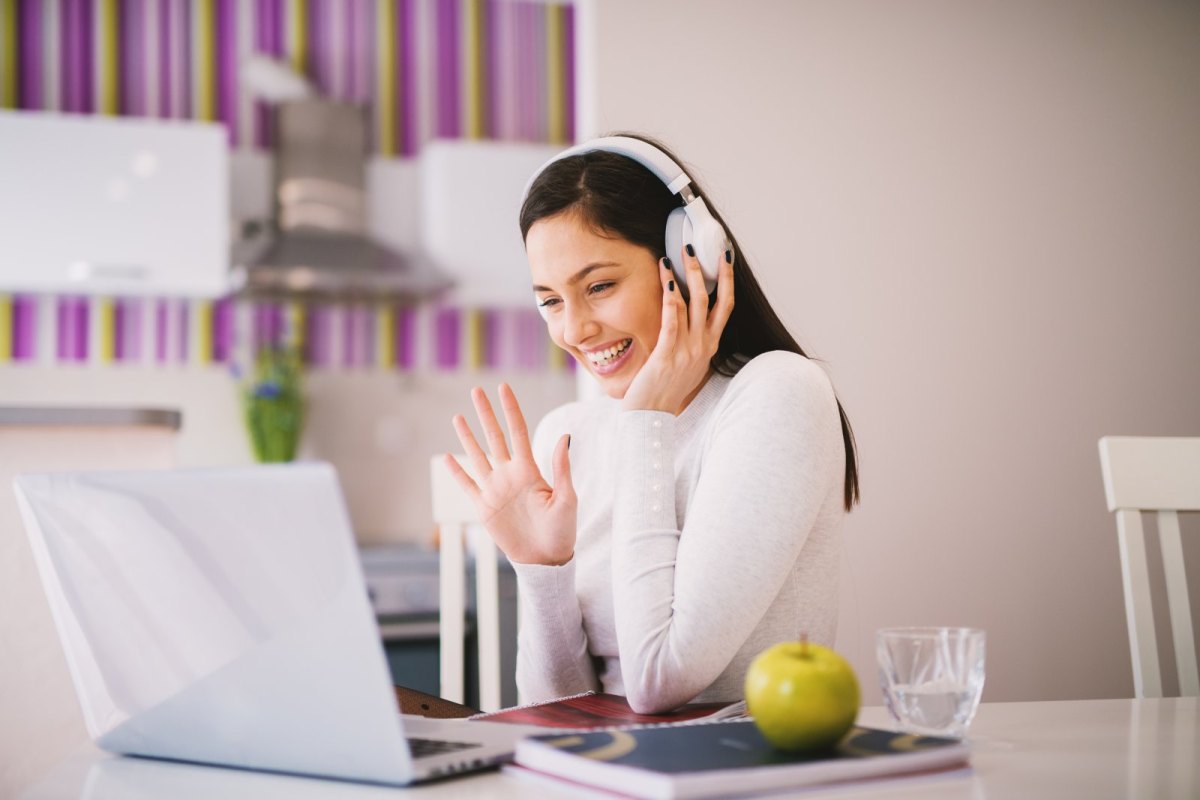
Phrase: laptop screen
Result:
[214,615]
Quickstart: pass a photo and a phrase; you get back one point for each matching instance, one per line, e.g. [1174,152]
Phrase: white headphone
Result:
[692,223]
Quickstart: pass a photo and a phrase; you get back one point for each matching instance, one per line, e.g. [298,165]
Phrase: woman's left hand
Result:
[687,340]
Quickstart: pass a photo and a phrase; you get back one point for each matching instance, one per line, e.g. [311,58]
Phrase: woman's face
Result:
[601,297]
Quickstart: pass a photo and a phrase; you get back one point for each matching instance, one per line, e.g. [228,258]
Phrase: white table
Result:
[1087,749]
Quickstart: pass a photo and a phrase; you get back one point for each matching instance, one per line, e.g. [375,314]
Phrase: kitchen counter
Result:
[89,416]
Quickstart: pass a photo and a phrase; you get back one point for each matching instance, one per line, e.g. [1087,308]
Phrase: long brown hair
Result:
[617,195]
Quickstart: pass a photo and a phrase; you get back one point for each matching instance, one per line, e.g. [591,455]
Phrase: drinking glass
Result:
[931,677]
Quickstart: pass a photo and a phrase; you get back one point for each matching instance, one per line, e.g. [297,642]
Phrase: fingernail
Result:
[691,251]
[666,263]
[670,286]
[568,441]
[728,256]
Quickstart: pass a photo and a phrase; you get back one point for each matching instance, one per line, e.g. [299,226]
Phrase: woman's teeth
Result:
[605,357]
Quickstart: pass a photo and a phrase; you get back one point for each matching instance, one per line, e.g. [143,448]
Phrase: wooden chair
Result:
[1160,474]
[454,514]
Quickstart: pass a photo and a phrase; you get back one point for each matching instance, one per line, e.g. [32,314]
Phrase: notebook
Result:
[724,759]
[600,710]
[220,616]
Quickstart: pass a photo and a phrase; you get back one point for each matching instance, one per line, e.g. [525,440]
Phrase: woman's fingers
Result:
[721,310]
[462,477]
[563,488]
[697,293]
[673,314]
[491,426]
[516,422]
[466,438]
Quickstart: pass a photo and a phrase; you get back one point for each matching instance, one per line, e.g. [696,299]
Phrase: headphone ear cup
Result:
[679,229]
[709,239]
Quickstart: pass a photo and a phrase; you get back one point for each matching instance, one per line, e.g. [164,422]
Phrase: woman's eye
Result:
[597,288]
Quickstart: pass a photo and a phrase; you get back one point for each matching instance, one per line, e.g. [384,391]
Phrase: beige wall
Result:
[983,216]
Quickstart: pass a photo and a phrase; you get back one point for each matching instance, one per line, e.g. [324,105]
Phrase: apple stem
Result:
[804,643]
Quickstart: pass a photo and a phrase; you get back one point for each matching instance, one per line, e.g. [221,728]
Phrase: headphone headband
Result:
[646,154]
[690,224]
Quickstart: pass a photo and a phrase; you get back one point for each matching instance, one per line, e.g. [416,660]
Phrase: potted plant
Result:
[273,404]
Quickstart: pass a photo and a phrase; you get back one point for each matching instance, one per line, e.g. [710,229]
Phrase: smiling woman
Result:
[606,314]
[695,520]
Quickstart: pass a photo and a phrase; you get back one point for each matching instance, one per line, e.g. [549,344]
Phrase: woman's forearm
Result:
[552,649]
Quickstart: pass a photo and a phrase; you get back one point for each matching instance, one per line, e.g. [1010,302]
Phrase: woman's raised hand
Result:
[687,340]
[530,522]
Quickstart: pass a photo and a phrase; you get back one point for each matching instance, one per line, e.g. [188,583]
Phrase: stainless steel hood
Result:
[317,246]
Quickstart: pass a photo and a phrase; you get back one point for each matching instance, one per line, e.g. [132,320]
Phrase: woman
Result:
[695,522]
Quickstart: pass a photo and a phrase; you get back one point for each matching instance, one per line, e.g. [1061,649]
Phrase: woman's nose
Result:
[578,324]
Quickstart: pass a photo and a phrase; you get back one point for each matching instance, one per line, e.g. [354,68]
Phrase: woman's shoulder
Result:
[780,396]
[779,390]
[780,371]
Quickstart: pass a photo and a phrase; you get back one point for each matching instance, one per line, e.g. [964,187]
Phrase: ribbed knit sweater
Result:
[702,539]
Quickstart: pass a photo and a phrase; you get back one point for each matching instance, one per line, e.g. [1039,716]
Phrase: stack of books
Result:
[700,751]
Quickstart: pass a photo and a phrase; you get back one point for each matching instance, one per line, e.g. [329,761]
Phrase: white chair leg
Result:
[1143,645]
[487,619]
[452,595]
[1177,602]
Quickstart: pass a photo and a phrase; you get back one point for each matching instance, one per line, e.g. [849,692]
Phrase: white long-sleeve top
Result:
[702,539]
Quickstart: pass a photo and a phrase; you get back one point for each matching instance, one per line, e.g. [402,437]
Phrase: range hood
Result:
[317,246]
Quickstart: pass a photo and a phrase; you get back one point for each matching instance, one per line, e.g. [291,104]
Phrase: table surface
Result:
[1083,748]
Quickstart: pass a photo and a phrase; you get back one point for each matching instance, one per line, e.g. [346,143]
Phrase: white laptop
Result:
[220,616]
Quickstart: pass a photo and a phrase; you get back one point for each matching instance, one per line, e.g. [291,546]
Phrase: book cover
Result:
[593,710]
[730,758]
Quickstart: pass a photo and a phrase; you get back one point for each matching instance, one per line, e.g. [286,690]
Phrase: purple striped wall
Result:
[165,58]
[181,330]
[29,83]
[569,68]
[159,331]
[348,48]
[223,330]
[24,328]
[449,80]
[406,351]
[406,103]
[226,66]
[131,60]
[491,72]
[76,48]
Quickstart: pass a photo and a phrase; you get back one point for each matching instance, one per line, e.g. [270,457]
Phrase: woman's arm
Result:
[686,601]
[552,648]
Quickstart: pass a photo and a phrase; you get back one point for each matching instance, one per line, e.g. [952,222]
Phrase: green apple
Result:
[802,696]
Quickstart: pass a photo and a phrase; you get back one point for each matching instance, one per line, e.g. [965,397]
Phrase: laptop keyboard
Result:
[436,747]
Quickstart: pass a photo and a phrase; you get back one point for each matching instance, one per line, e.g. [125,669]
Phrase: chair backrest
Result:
[1159,474]
[454,514]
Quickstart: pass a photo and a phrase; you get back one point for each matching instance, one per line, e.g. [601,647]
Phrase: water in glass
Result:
[931,678]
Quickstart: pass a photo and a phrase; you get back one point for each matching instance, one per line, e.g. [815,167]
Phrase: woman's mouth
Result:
[605,362]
